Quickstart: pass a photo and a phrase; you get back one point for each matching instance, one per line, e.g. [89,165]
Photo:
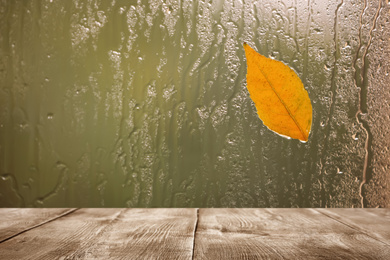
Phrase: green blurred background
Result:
[144,104]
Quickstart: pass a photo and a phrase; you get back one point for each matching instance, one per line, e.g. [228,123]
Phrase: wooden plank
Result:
[281,234]
[108,234]
[15,221]
[374,222]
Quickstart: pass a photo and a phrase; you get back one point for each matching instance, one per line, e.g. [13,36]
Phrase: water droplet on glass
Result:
[274,55]
[50,116]
[23,126]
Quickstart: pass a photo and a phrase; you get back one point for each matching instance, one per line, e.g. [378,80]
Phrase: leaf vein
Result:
[284,104]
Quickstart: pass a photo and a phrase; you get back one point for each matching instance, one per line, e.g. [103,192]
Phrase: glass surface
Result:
[144,104]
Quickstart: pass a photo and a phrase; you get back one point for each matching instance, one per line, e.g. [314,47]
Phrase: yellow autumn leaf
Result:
[281,101]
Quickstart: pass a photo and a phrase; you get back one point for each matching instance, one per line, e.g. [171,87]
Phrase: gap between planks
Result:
[194,234]
[356,228]
[39,224]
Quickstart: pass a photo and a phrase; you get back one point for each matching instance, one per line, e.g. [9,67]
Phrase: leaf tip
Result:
[304,140]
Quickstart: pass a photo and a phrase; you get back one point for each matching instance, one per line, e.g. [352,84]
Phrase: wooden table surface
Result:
[195,233]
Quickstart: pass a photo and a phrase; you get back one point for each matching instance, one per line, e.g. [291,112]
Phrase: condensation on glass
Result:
[144,104]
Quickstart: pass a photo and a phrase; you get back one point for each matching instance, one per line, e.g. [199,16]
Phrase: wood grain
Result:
[109,234]
[15,221]
[182,234]
[281,234]
[373,222]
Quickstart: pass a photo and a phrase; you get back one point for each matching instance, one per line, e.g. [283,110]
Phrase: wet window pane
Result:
[144,104]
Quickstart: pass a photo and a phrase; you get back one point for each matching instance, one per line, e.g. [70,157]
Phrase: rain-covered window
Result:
[144,104]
